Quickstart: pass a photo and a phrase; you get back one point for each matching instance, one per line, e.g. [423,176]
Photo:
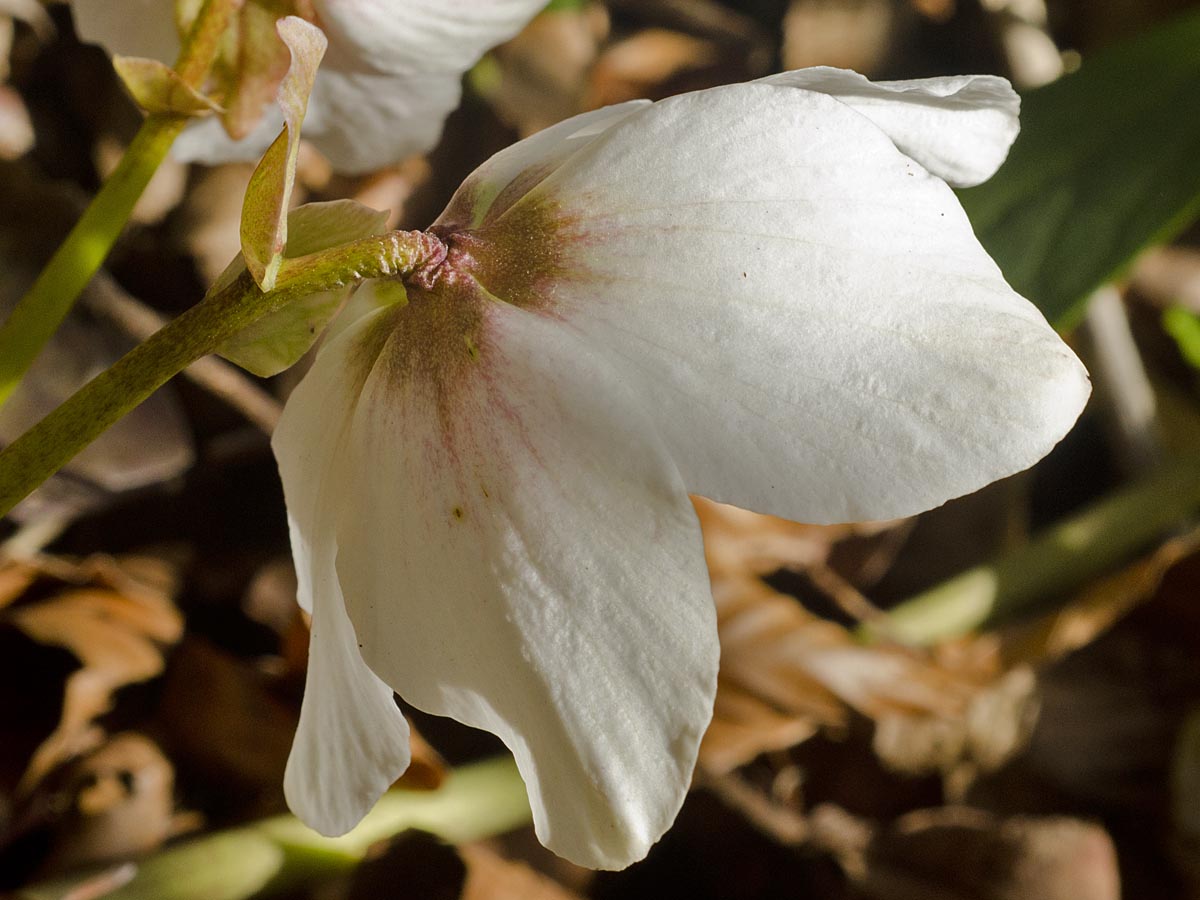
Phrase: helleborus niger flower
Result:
[762,293]
[390,76]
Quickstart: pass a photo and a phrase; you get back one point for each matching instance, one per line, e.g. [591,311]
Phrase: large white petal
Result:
[128,27]
[351,742]
[517,551]
[421,35]
[807,310]
[514,171]
[959,127]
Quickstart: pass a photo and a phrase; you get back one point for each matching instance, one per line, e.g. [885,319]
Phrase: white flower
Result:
[390,76]
[762,293]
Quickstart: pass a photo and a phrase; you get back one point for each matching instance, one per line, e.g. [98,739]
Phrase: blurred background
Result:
[877,733]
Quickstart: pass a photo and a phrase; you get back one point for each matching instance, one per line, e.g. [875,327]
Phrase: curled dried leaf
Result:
[118,637]
[119,802]
[738,542]
[790,672]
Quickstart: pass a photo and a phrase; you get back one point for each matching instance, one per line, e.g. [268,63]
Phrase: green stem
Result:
[38,314]
[49,445]
[1052,564]
[281,854]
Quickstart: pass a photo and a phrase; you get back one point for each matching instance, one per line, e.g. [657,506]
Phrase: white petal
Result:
[206,141]
[128,27]
[958,127]
[361,121]
[352,742]
[515,170]
[517,552]
[807,310]
[421,35]
[365,120]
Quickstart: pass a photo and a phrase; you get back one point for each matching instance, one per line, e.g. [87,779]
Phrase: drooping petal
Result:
[516,551]
[806,309]
[958,127]
[352,742]
[128,27]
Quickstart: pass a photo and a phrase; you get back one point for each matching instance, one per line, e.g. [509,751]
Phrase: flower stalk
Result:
[269,857]
[49,445]
[1054,563]
[38,314]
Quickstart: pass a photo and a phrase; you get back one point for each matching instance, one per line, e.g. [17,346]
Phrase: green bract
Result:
[276,341]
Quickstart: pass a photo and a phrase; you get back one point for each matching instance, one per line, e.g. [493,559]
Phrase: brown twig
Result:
[782,825]
[214,375]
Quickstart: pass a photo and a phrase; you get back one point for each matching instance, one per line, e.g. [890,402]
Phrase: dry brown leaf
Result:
[544,69]
[231,719]
[707,18]
[1097,607]
[849,34]
[16,128]
[804,672]
[492,877]
[391,189]
[937,10]
[221,716]
[6,38]
[427,867]
[210,216]
[640,65]
[16,575]
[116,629]
[955,853]
[738,542]
[995,725]
[1168,276]
[120,802]
[743,727]
[1001,712]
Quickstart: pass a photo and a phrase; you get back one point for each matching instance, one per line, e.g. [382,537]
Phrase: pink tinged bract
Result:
[755,293]
[391,75]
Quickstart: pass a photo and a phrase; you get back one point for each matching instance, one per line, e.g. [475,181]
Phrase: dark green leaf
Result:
[1184,326]
[1108,163]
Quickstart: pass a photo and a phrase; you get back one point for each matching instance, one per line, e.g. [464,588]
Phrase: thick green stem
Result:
[49,445]
[38,314]
[281,854]
[1052,564]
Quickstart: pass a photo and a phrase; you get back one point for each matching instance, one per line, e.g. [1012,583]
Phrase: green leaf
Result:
[1184,326]
[157,88]
[276,341]
[1108,163]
